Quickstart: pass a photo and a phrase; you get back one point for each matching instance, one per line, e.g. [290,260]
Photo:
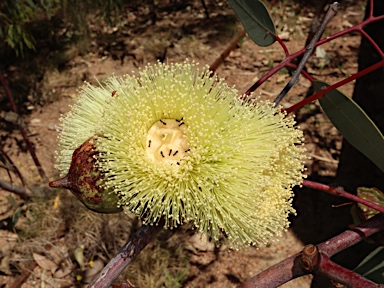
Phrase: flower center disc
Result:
[167,141]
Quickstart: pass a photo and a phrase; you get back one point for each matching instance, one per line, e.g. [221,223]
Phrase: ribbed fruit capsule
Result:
[84,180]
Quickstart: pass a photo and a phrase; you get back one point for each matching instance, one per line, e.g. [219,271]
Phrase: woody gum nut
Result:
[84,181]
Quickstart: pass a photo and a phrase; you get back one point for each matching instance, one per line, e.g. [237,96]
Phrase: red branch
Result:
[327,89]
[287,62]
[295,265]
[125,256]
[339,191]
[13,167]
[330,269]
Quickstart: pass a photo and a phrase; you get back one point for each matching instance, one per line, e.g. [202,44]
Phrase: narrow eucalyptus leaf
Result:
[256,20]
[354,124]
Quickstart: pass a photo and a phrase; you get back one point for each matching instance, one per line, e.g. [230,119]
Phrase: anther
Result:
[114,93]
[175,152]
[181,124]
[187,150]
[149,143]
[162,155]
[170,151]
[180,119]
[177,163]
[163,122]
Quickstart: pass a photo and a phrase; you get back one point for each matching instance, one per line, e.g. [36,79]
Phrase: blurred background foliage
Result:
[17,18]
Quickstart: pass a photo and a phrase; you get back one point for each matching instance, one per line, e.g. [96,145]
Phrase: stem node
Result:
[310,257]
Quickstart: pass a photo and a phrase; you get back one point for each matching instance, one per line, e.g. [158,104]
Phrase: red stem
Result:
[282,44]
[291,267]
[373,43]
[371,8]
[22,130]
[352,236]
[8,92]
[342,275]
[339,191]
[14,167]
[305,73]
[125,256]
[327,89]
[289,57]
[278,274]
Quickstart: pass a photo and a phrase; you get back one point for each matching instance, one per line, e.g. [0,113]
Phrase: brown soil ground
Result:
[51,241]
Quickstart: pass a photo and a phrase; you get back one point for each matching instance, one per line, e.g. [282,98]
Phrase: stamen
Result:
[114,93]
[162,155]
[170,151]
[149,143]
[187,150]
[162,122]
[175,153]
[181,124]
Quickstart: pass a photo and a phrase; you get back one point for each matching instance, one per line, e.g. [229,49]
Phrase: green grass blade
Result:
[372,266]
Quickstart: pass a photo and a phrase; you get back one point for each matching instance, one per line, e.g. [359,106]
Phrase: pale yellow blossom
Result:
[179,145]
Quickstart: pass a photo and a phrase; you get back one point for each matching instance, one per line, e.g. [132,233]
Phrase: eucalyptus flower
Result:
[177,145]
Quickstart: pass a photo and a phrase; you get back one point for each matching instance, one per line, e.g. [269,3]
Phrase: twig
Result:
[296,265]
[14,167]
[342,275]
[22,130]
[125,256]
[284,63]
[19,190]
[226,52]
[205,9]
[316,20]
[332,11]
[352,236]
[278,274]
[327,89]
[339,191]
[370,8]
[318,263]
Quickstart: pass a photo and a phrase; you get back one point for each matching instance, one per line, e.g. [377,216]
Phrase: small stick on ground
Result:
[23,131]
[23,192]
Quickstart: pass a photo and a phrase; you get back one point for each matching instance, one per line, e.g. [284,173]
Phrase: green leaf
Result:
[372,195]
[372,267]
[354,124]
[256,20]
